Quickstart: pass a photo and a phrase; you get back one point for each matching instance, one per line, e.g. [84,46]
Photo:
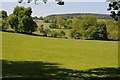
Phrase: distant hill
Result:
[75,15]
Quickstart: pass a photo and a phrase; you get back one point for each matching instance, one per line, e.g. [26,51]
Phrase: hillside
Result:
[74,15]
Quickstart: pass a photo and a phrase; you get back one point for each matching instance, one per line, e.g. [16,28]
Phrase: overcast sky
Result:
[87,6]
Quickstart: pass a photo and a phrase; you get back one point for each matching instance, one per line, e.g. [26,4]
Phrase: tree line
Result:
[87,27]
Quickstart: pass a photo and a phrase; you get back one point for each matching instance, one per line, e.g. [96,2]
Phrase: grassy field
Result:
[72,54]
[35,56]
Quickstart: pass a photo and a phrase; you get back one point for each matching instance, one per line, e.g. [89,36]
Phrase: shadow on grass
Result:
[12,31]
[36,70]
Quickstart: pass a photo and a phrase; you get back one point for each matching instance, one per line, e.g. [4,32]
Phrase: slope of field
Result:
[71,54]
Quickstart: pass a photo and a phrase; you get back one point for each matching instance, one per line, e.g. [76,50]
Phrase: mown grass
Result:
[71,54]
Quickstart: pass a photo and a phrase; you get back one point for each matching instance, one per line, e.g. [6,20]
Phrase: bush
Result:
[41,18]
[62,33]
[44,31]
[76,34]
[54,34]
[3,25]
[46,21]
[53,25]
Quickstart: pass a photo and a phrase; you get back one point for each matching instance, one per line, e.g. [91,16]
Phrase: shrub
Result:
[46,21]
[44,31]
[76,34]
[62,33]
[41,18]
[53,25]
[54,34]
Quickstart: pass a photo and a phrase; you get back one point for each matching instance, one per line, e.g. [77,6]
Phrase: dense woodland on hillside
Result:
[86,26]
[78,15]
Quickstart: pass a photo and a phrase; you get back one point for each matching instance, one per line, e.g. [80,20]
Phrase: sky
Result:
[71,6]
[63,0]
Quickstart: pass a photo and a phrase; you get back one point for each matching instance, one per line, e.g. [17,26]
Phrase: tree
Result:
[27,25]
[97,32]
[89,21]
[77,30]
[21,21]
[41,18]
[13,21]
[76,24]
[19,11]
[62,33]
[44,31]
[54,34]
[28,11]
[4,24]
[53,25]
[46,20]
[3,14]
[114,7]
[59,2]
[89,28]
[72,33]
[112,28]
[75,34]
[80,17]
[60,22]
[103,35]
[41,28]
[35,17]
[68,24]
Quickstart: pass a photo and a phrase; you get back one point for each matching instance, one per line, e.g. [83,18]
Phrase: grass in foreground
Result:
[72,54]
[39,57]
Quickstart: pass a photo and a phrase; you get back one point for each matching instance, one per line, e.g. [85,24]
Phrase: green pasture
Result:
[71,54]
